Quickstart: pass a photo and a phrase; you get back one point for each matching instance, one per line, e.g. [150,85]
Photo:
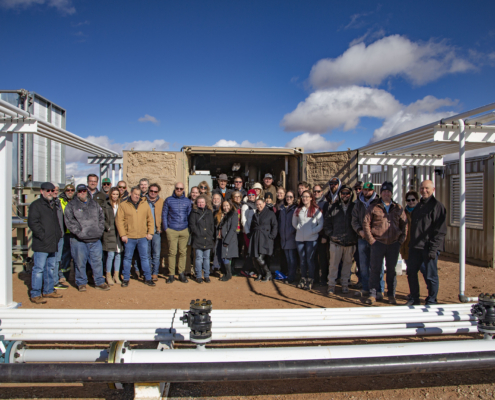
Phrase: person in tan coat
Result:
[136,226]
[155,244]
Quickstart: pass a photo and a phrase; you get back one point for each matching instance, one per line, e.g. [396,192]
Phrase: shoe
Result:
[109,279]
[61,286]
[379,296]
[124,283]
[331,290]
[154,278]
[370,300]
[199,280]
[267,274]
[207,280]
[183,278]
[345,289]
[150,283]
[38,300]
[361,293]
[412,302]
[53,295]
[171,279]
[116,278]
[82,288]
[392,300]
[103,286]
[309,284]
[301,283]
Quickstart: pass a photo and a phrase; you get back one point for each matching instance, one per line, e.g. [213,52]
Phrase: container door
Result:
[319,168]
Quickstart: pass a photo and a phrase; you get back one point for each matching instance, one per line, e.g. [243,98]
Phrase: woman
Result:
[308,222]
[280,198]
[111,242]
[247,211]
[193,194]
[202,227]
[288,234]
[205,190]
[236,199]
[412,198]
[226,221]
[263,231]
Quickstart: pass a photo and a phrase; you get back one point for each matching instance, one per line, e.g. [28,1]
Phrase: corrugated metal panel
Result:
[40,109]
[56,159]
[39,159]
[474,200]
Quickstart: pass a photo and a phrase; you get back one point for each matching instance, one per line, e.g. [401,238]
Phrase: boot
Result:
[116,278]
[109,278]
[309,284]
[258,269]
[267,274]
[302,283]
[182,278]
[228,275]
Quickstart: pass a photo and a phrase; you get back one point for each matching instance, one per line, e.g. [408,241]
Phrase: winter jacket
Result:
[228,227]
[202,227]
[262,232]
[64,200]
[272,189]
[158,212]
[44,224]
[338,225]
[286,230]
[404,248]
[60,215]
[125,196]
[428,226]
[324,205]
[307,228]
[385,227]
[99,197]
[134,222]
[176,212]
[85,221]
[247,211]
[360,209]
[228,193]
[111,239]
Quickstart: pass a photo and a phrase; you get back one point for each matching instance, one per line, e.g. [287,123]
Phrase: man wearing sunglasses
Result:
[238,186]
[155,244]
[106,184]
[124,194]
[44,224]
[175,217]
[333,193]
[64,268]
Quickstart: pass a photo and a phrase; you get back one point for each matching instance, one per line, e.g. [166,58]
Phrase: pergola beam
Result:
[399,160]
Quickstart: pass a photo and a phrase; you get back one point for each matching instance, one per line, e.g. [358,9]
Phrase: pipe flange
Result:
[198,319]
[484,310]
[121,349]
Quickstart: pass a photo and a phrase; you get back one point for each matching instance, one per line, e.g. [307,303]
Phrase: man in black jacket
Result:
[428,230]
[343,238]
[44,224]
[222,189]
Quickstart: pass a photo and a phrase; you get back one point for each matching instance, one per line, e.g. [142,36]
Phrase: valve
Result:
[485,311]
[198,319]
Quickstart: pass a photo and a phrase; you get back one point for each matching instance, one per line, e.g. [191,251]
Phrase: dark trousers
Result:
[390,252]
[321,264]
[417,257]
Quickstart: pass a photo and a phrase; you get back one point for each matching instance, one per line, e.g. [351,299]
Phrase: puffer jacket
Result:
[286,230]
[175,214]
[202,227]
[338,225]
[135,222]
[44,224]
[360,209]
[228,225]
[385,227]
[85,221]
[307,228]
[247,211]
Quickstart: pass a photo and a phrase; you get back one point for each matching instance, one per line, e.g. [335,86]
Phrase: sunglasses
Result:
[122,187]
[411,200]
[106,184]
[289,197]
[333,184]
[50,190]
[237,181]
[203,187]
[153,191]
[179,189]
[345,193]
[316,191]
[251,194]
[82,191]
[69,190]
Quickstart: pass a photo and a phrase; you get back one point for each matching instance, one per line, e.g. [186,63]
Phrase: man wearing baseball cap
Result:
[106,184]
[268,185]
[44,224]
[222,189]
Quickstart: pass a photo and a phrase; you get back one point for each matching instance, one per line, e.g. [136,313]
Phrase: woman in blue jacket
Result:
[288,234]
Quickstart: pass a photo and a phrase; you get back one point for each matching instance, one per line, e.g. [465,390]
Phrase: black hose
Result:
[197,372]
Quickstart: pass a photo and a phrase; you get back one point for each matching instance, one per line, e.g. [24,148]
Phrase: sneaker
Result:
[150,283]
[154,278]
[370,300]
[392,300]
[53,295]
[124,283]
[199,280]
[345,289]
[171,279]
[82,288]
[103,286]
[207,280]
[331,290]
[38,300]
[61,286]
[412,302]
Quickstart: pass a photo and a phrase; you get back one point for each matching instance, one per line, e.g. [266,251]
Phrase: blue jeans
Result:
[154,249]
[42,273]
[58,260]
[364,250]
[113,260]
[142,247]
[202,262]
[291,257]
[82,253]
[64,267]
[307,254]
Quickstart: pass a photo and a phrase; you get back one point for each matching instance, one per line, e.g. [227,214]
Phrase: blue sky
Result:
[324,75]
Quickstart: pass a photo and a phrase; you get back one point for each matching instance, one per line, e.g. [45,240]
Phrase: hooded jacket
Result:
[385,227]
[44,224]
[333,197]
[338,220]
[360,209]
[175,214]
[307,228]
[85,221]
[135,221]
[202,227]
[228,226]
[263,231]
[286,230]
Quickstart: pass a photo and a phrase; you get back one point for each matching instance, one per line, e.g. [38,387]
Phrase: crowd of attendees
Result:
[318,235]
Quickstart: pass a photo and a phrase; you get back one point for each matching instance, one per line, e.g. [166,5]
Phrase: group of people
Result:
[319,234]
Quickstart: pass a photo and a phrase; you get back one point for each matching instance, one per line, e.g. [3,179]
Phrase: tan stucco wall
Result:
[321,167]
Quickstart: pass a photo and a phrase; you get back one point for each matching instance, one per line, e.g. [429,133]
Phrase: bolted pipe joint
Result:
[199,320]
[485,311]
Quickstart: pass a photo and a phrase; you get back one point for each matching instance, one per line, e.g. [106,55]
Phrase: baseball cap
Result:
[369,185]
[47,186]
[268,176]
[81,186]
[106,180]
[223,177]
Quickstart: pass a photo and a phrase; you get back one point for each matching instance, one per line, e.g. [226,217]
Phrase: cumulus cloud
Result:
[390,56]
[233,143]
[312,142]
[64,6]
[328,109]
[149,118]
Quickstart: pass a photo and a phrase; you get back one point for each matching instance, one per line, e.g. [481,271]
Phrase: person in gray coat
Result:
[226,220]
[288,234]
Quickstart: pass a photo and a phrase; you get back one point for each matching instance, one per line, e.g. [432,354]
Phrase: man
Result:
[106,184]
[302,187]
[64,266]
[93,192]
[60,245]
[44,224]
[268,185]
[155,244]
[86,222]
[385,229]
[222,187]
[428,230]
[238,186]
[136,226]
[342,237]
[124,194]
[322,247]
[358,187]
[143,186]
[175,218]
[366,197]
[333,193]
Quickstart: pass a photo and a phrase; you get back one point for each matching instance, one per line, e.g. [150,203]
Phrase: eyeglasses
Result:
[411,200]
[305,197]
[179,189]
[153,191]
[316,191]
[345,193]
[82,191]
[203,187]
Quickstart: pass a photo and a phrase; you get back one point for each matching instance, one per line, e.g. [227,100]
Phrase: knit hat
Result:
[257,186]
[251,191]
[369,185]
[387,186]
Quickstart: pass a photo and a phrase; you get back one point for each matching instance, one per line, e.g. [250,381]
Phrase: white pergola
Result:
[425,147]
[14,120]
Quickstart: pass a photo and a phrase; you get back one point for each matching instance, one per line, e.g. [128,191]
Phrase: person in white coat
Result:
[308,222]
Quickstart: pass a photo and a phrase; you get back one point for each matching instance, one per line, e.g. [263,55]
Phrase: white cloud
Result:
[233,143]
[371,34]
[390,56]
[312,142]
[149,118]
[64,6]
[328,109]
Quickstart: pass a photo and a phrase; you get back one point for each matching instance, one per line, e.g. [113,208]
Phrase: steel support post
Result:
[462,209]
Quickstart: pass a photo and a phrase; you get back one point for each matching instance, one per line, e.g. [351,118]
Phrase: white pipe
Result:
[462,208]
[61,355]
